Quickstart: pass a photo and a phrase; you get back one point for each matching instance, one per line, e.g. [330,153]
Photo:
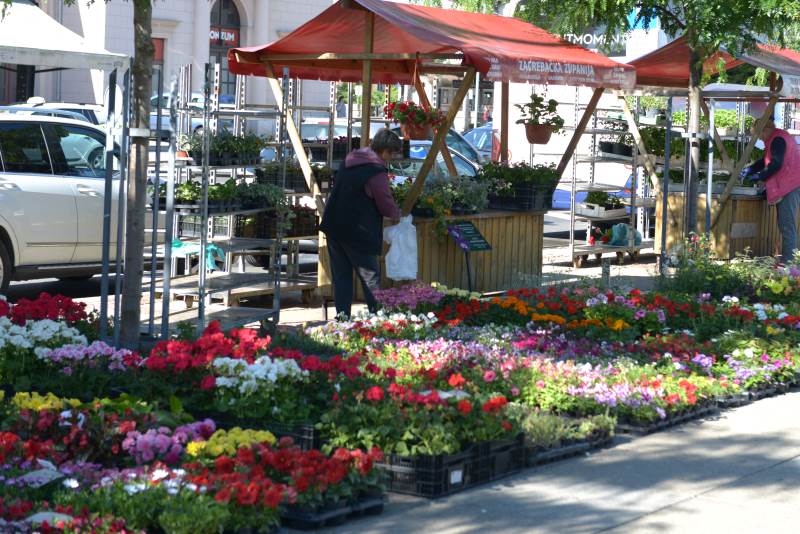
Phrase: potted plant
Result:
[521,186]
[469,195]
[601,204]
[540,118]
[416,122]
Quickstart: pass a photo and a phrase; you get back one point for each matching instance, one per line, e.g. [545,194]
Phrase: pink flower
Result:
[540,384]
[514,391]
[489,376]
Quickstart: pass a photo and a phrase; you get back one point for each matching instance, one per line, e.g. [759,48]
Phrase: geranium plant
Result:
[409,112]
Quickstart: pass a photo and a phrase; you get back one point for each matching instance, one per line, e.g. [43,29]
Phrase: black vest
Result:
[351,217]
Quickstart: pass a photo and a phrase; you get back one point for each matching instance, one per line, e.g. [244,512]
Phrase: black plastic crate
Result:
[190,226]
[532,197]
[506,457]
[433,476]
[304,435]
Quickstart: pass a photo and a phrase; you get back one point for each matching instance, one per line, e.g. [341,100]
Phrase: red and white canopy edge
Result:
[668,68]
[376,41]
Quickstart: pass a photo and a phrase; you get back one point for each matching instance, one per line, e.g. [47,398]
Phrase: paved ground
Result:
[736,473]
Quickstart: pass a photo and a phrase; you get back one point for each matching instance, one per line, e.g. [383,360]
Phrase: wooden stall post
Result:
[758,127]
[637,136]
[366,78]
[294,137]
[438,141]
[579,129]
[423,98]
[504,95]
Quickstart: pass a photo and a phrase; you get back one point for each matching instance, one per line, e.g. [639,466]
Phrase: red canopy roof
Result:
[669,66]
[500,48]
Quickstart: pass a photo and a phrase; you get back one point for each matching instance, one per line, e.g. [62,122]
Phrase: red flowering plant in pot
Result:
[416,122]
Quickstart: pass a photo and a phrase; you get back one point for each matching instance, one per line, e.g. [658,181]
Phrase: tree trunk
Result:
[137,177]
[693,128]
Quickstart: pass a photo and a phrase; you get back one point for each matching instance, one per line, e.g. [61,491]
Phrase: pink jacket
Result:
[787,179]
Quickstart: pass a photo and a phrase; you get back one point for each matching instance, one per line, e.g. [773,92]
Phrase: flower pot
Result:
[622,149]
[538,134]
[416,132]
[533,197]
[181,154]
[606,146]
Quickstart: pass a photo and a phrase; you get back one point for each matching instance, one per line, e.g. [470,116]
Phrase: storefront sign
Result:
[227,37]
[791,86]
[596,39]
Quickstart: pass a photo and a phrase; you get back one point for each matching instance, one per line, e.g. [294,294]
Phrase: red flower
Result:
[495,404]
[456,380]
[208,382]
[375,394]
[464,406]
[506,426]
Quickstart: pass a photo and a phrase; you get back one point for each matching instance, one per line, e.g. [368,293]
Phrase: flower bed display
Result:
[440,391]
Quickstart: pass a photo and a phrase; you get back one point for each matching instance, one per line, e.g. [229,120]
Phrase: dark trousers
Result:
[344,259]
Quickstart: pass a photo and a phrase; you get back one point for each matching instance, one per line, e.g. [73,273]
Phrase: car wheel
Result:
[6,269]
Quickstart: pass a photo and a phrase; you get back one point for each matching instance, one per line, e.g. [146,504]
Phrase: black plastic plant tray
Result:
[670,421]
[432,476]
[538,457]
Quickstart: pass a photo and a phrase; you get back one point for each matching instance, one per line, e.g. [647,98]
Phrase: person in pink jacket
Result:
[780,170]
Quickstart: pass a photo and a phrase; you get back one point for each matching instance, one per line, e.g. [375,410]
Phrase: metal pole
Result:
[665,190]
[108,192]
[349,116]
[201,267]
[710,182]
[276,297]
[122,207]
[170,213]
[469,271]
[151,323]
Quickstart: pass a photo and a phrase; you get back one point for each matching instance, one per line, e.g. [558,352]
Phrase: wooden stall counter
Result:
[748,223]
[516,239]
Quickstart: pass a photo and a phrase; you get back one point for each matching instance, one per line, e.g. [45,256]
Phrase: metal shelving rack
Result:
[639,203]
[202,286]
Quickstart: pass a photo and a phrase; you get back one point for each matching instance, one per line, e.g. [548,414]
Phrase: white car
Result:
[52,185]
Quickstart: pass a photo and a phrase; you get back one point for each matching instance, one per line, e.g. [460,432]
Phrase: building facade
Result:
[185,32]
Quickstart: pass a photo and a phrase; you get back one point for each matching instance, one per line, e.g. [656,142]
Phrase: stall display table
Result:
[516,239]
[748,223]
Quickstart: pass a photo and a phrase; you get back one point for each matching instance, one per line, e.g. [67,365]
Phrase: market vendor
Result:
[353,218]
[780,170]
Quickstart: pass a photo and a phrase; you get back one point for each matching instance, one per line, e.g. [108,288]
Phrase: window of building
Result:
[223,35]
[23,148]
[158,62]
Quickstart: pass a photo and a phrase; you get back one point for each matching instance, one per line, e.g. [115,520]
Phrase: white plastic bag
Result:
[401,260]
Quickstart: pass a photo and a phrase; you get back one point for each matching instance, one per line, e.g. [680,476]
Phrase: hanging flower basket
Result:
[538,134]
[416,132]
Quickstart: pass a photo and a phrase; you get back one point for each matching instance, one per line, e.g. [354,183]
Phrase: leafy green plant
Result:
[503,177]
[188,192]
[539,111]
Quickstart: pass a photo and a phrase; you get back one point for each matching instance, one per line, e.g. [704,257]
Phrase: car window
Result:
[78,151]
[410,167]
[458,143]
[23,148]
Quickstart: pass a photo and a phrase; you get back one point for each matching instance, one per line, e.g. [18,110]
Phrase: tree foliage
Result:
[708,24]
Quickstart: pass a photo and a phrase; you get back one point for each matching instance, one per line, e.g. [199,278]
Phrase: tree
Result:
[707,24]
[141,71]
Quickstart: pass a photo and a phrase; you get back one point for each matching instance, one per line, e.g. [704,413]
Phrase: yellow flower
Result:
[35,401]
[196,447]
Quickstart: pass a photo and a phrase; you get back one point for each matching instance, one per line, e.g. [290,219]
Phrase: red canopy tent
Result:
[331,47]
[669,65]
[377,41]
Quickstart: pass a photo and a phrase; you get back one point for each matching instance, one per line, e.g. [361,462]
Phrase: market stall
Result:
[372,41]
[740,220]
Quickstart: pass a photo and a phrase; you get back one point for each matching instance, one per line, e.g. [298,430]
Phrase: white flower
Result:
[159,474]
[70,483]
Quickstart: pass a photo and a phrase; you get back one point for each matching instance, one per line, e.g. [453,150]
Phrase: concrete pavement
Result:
[738,472]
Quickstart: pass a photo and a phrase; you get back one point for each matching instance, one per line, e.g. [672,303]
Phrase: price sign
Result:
[467,237]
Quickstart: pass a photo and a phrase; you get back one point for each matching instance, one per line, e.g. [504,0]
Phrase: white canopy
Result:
[29,36]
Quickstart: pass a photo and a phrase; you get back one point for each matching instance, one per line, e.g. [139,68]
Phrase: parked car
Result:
[52,185]
[419,150]
[482,138]
[21,110]
[317,130]
[93,113]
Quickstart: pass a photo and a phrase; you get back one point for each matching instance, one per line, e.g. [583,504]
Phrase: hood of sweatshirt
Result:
[363,156]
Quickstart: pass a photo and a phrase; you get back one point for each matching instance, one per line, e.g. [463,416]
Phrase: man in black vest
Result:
[353,218]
